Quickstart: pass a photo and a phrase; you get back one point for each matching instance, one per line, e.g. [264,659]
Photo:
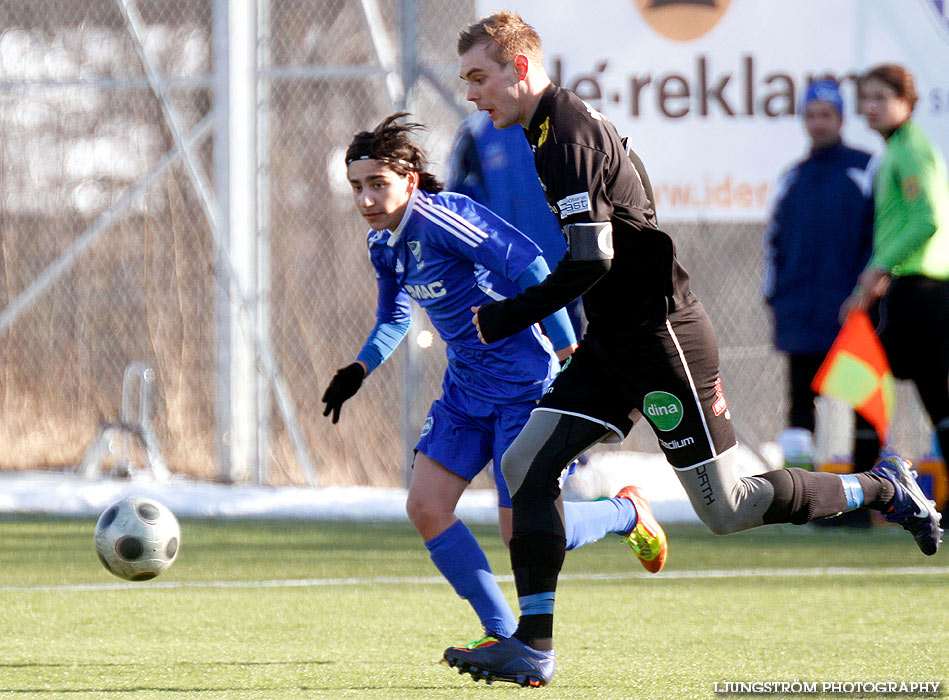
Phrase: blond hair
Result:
[505,35]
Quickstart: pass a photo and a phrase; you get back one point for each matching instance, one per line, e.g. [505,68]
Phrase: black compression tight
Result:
[532,467]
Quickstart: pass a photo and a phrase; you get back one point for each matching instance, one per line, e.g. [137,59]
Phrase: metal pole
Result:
[383,50]
[264,393]
[221,165]
[411,358]
[241,214]
[226,273]
[408,13]
[184,147]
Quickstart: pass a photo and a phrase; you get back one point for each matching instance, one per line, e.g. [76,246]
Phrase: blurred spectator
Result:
[495,167]
[817,243]
[908,274]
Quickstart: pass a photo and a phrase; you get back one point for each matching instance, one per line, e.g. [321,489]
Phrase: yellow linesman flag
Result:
[856,371]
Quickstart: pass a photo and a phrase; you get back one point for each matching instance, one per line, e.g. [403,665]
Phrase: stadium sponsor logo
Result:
[574,204]
[682,20]
[677,444]
[663,409]
[433,290]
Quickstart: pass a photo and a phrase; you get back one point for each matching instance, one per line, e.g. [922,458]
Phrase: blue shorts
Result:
[463,433]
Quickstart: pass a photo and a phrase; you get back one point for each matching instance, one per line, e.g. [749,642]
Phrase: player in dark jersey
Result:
[649,350]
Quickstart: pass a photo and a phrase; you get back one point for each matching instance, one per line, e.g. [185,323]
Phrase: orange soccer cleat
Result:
[647,540]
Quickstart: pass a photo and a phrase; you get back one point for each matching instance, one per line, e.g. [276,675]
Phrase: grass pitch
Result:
[288,610]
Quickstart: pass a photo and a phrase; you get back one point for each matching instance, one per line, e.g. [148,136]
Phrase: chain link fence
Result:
[108,256]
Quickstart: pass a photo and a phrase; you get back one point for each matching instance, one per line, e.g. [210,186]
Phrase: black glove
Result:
[344,385]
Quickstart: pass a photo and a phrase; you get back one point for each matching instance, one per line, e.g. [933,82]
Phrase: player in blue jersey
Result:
[449,253]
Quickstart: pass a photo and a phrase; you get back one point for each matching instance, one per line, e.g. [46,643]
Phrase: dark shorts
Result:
[914,327]
[670,376]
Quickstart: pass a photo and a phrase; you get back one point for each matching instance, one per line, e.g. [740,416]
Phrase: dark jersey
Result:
[593,187]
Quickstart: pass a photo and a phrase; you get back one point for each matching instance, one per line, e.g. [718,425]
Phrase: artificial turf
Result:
[290,609]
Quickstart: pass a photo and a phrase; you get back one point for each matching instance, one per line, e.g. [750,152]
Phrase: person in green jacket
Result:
[908,272]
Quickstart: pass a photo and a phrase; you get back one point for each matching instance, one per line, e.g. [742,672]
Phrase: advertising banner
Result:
[709,91]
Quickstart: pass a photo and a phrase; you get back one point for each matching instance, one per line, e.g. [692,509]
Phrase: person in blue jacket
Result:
[448,253]
[818,241]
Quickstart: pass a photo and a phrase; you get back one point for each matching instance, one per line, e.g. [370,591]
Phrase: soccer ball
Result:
[137,538]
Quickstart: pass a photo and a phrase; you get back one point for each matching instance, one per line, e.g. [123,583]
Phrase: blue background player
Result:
[495,167]
[450,254]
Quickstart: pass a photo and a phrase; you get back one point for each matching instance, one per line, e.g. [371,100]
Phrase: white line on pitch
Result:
[669,576]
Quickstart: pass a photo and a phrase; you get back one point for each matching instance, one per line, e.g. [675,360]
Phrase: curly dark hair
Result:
[392,144]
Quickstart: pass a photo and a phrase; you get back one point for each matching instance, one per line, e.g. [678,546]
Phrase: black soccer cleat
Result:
[504,659]
[910,507]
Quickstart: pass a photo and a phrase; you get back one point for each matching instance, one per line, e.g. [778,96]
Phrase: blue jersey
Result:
[449,253]
[496,168]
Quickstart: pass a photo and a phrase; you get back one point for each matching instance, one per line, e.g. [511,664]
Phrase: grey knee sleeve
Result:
[518,457]
[549,440]
[725,502]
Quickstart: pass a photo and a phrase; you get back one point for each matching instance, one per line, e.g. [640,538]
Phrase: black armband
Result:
[586,242]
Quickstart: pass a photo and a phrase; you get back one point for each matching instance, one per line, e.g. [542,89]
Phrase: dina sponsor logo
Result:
[663,409]
[682,20]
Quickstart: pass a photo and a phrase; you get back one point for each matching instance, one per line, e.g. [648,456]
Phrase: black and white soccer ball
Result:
[137,538]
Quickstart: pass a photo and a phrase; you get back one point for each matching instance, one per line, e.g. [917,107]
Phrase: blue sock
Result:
[458,556]
[588,521]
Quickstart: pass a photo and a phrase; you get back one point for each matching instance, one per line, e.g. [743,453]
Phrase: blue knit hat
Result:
[824,91]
